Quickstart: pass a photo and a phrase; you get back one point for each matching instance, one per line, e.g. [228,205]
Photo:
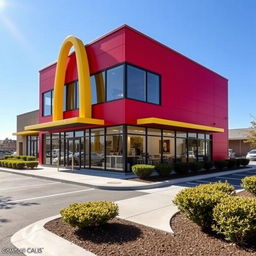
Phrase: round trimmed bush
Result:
[244,162]
[231,163]
[89,214]
[181,168]
[197,203]
[31,164]
[235,218]
[249,184]
[143,170]
[220,165]
[195,166]
[164,169]
[208,165]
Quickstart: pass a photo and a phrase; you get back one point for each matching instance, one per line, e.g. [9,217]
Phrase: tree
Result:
[251,138]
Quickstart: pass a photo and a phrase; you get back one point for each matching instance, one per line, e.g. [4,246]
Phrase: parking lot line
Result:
[24,187]
[53,195]
[227,178]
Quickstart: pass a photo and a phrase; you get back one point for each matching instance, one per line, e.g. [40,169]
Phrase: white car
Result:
[251,155]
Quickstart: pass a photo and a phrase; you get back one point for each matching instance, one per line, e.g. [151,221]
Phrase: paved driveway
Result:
[233,179]
[24,200]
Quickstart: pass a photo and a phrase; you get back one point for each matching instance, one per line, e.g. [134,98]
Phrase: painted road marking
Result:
[24,187]
[53,195]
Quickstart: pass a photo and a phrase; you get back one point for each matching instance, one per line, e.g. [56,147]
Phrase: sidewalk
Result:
[106,179]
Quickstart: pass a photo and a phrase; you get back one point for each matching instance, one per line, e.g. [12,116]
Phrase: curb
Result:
[140,187]
[35,240]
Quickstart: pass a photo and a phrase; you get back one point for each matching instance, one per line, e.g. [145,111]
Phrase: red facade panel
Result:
[189,91]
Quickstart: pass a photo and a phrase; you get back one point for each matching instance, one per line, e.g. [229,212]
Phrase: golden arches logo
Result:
[83,78]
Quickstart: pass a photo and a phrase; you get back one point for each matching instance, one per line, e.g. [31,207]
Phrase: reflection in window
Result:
[136,83]
[154,149]
[168,149]
[192,149]
[201,150]
[153,83]
[71,96]
[98,87]
[47,103]
[114,152]
[181,150]
[115,83]
[97,152]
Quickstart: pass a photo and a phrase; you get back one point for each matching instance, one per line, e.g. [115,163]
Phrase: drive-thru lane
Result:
[24,200]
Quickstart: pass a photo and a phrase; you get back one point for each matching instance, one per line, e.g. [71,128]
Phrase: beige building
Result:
[236,139]
[27,144]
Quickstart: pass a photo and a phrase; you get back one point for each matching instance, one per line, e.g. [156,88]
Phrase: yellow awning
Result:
[65,123]
[160,121]
[25,133]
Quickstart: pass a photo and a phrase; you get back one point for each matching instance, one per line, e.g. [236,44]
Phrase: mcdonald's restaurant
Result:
[124,99]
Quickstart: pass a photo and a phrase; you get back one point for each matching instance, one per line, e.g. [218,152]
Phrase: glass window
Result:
[153,84]
[47,103]
[191,135]
[168,133]
[114,152]
[71,96]
[208,152]
[181,150]
[65,98]
[79,133]
[207,136]
[77,95]
[136,150]
[181,134]
[201,136]
[98,87]
[115,129]
[136,83]
[136,130]
[156,132]
[97,131]
[97,152]
[154,149]
[201,150]
[115,83]
[192,150]
[168,149]
[47,149]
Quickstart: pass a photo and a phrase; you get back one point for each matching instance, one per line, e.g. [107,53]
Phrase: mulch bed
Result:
[120,238]
[157,178]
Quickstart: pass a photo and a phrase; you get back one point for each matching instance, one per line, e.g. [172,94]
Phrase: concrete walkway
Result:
[108,180]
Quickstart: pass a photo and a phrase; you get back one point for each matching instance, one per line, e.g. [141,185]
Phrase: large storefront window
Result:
[153,88]
[72,96]
[119,147]
[32,146]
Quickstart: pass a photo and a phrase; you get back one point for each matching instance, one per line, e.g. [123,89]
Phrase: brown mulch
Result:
[123,238]
[157,178]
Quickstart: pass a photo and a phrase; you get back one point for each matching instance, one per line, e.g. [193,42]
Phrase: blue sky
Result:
[220,34]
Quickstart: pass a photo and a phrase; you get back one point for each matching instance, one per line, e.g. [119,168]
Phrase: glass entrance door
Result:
[73,153]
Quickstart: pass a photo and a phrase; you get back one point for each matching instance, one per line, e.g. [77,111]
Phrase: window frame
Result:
[75,96]
[43,112]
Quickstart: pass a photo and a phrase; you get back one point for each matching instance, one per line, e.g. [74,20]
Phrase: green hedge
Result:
[235,218]
[208,165]
[181,168]
[197,203]
[143,170]
[89,214]
[249,184]
[18,164]
[164,169]
[195,166]
[244,162]
[221,164]
[20,157]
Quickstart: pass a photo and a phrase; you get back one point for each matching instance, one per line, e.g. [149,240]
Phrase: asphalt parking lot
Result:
[24,200]
[233,179]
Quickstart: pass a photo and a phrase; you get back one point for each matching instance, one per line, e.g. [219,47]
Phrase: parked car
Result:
[231,153]
[251,155]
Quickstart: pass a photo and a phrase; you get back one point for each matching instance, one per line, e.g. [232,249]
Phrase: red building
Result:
[149,104]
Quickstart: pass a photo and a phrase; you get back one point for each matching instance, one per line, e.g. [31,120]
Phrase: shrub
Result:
[143,170]
[181,168]
[244,161]
[220,165]
[235,218]
[20,164]
[30,158]
[231,163]
[208,165]
[197,203]
[31,164]
[195,166]
[8,157]
[164,169]
[89,214]
[238,163]
[249,184]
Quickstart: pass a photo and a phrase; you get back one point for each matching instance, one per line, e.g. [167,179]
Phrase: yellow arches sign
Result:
[85,101]
[83,78]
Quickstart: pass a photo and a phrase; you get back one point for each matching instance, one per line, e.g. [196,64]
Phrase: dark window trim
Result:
[43,93]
